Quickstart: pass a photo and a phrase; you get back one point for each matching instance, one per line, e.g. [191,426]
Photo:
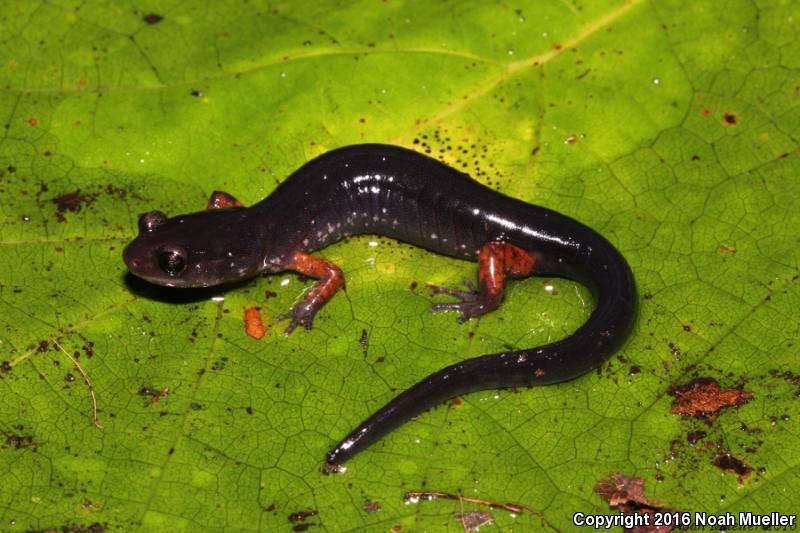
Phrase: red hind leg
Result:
[496,260]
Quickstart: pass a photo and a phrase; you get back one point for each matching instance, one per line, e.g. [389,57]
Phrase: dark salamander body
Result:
[399,193]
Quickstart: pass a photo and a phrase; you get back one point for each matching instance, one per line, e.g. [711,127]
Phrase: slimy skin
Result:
[399,193]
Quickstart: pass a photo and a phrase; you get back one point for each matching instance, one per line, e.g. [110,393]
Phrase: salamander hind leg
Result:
[496,261]
[330,279]
[470,302]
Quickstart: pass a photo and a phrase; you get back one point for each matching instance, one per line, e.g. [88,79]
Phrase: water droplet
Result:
[656,81]
[283,74]
[510,52]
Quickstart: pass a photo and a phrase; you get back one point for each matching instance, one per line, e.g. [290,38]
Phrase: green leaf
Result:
[670,127]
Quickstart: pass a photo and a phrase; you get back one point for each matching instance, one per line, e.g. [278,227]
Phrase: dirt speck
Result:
[72,202]
[151,395]
[18,441]
[371,506]
[302,516]
[364,342]
[694,436]
[726,461]
[330,468]
[152,18]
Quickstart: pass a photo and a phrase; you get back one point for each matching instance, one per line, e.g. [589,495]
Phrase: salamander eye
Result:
[151,220]
[172,261]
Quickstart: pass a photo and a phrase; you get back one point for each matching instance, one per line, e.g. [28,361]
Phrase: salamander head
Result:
[198,250]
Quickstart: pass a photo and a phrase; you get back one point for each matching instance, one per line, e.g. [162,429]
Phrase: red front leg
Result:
[496,260]
[330,279]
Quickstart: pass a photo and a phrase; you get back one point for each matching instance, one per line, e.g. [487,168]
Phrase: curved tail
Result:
[615,291]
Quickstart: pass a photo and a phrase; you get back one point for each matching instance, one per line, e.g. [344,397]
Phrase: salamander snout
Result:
[133,258]
[195,250]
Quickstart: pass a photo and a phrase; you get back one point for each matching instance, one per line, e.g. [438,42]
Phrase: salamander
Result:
[405,195]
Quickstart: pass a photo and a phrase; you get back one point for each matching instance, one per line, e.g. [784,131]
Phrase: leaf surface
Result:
[671,128]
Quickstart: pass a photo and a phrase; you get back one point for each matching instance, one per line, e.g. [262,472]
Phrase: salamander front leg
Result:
[496,260]
[221,200]
[330,279]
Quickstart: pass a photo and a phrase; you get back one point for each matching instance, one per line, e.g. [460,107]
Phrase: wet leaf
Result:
[670,127]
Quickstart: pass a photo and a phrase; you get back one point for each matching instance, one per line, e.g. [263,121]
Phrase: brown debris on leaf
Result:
[72,202]
[627,494]
[151,395]
[19,441]
[726,461]
[704,396]
[371,506]
[789,377]
[414,497]
[474,520]
[83,373]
